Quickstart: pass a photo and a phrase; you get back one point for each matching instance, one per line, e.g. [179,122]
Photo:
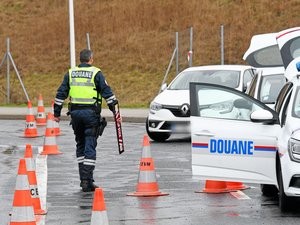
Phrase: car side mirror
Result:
[163,87]
[262,116]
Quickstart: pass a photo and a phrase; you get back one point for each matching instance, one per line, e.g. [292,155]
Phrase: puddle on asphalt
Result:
[9,150]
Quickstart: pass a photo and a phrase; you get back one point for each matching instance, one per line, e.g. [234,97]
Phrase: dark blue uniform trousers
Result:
[85,123]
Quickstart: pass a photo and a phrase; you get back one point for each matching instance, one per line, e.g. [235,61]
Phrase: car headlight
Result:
[294,149]
[155,106]
[222,107]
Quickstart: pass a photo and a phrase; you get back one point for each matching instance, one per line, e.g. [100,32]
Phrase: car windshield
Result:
[270,88]
[229,78]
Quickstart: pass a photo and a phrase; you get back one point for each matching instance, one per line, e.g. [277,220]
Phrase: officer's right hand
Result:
[112,106]
[56,119]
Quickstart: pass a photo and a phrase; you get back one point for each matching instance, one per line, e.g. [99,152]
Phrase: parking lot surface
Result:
[118,174]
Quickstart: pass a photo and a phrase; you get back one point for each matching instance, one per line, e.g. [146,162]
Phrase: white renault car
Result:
[170,110]
[255,144]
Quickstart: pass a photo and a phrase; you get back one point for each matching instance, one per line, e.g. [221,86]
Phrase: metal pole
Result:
[88,45]
[222,44]
[167,72]
[177,53]
[72,34]
[7,73]
[191,47]
[18,75]
[3,60]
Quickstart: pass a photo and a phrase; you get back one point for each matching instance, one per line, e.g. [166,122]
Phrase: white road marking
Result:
[42,177]
[240,195]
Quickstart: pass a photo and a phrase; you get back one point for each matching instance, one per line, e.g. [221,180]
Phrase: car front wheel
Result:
[157,136]
[285,202]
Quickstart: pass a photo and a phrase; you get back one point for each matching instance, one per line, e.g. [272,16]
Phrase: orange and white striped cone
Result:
[34,191]
[41,116]
[147,185]
[50,147]
[214,187]
[22,212]
[30,125]
[55,124]
[99,214]
[236,186]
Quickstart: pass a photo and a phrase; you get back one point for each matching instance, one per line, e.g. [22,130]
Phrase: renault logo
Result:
[185,109]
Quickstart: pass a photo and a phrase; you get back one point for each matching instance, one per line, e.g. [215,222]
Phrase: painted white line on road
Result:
[42,177]
[240,195]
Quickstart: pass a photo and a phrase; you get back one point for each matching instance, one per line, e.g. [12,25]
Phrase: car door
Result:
[226,143]
[289,45]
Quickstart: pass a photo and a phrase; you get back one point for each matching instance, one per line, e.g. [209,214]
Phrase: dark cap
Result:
[85,55]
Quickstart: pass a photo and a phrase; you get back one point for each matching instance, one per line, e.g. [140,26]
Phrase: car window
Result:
[283,110]
[270,88]
[252,86]
[248,75]
[294,48]
[290,50]
[228,78]
[296,104]
[267,57]
[215,102]
[282,95]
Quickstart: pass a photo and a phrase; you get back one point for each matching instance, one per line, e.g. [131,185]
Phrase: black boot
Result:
[88,185]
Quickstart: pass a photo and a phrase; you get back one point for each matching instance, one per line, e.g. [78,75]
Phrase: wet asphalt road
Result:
[117,175]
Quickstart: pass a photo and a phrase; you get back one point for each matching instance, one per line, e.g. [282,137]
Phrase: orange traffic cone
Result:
[214,187]
[30,126]
[235,186]
[147,185]
[41,116]
[30,165]
[22,212]
[99,214]
[50,147]
[55,124]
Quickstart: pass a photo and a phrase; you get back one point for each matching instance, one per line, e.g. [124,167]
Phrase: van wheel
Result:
[269,190]
[157,136]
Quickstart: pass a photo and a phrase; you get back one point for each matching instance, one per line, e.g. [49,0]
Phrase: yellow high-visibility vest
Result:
[82,86]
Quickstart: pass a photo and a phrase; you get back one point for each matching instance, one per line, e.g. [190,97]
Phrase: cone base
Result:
[41,124]
[51,153]
[40,212]
[214,191]
[147,194]
[31,136]
[243,187]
